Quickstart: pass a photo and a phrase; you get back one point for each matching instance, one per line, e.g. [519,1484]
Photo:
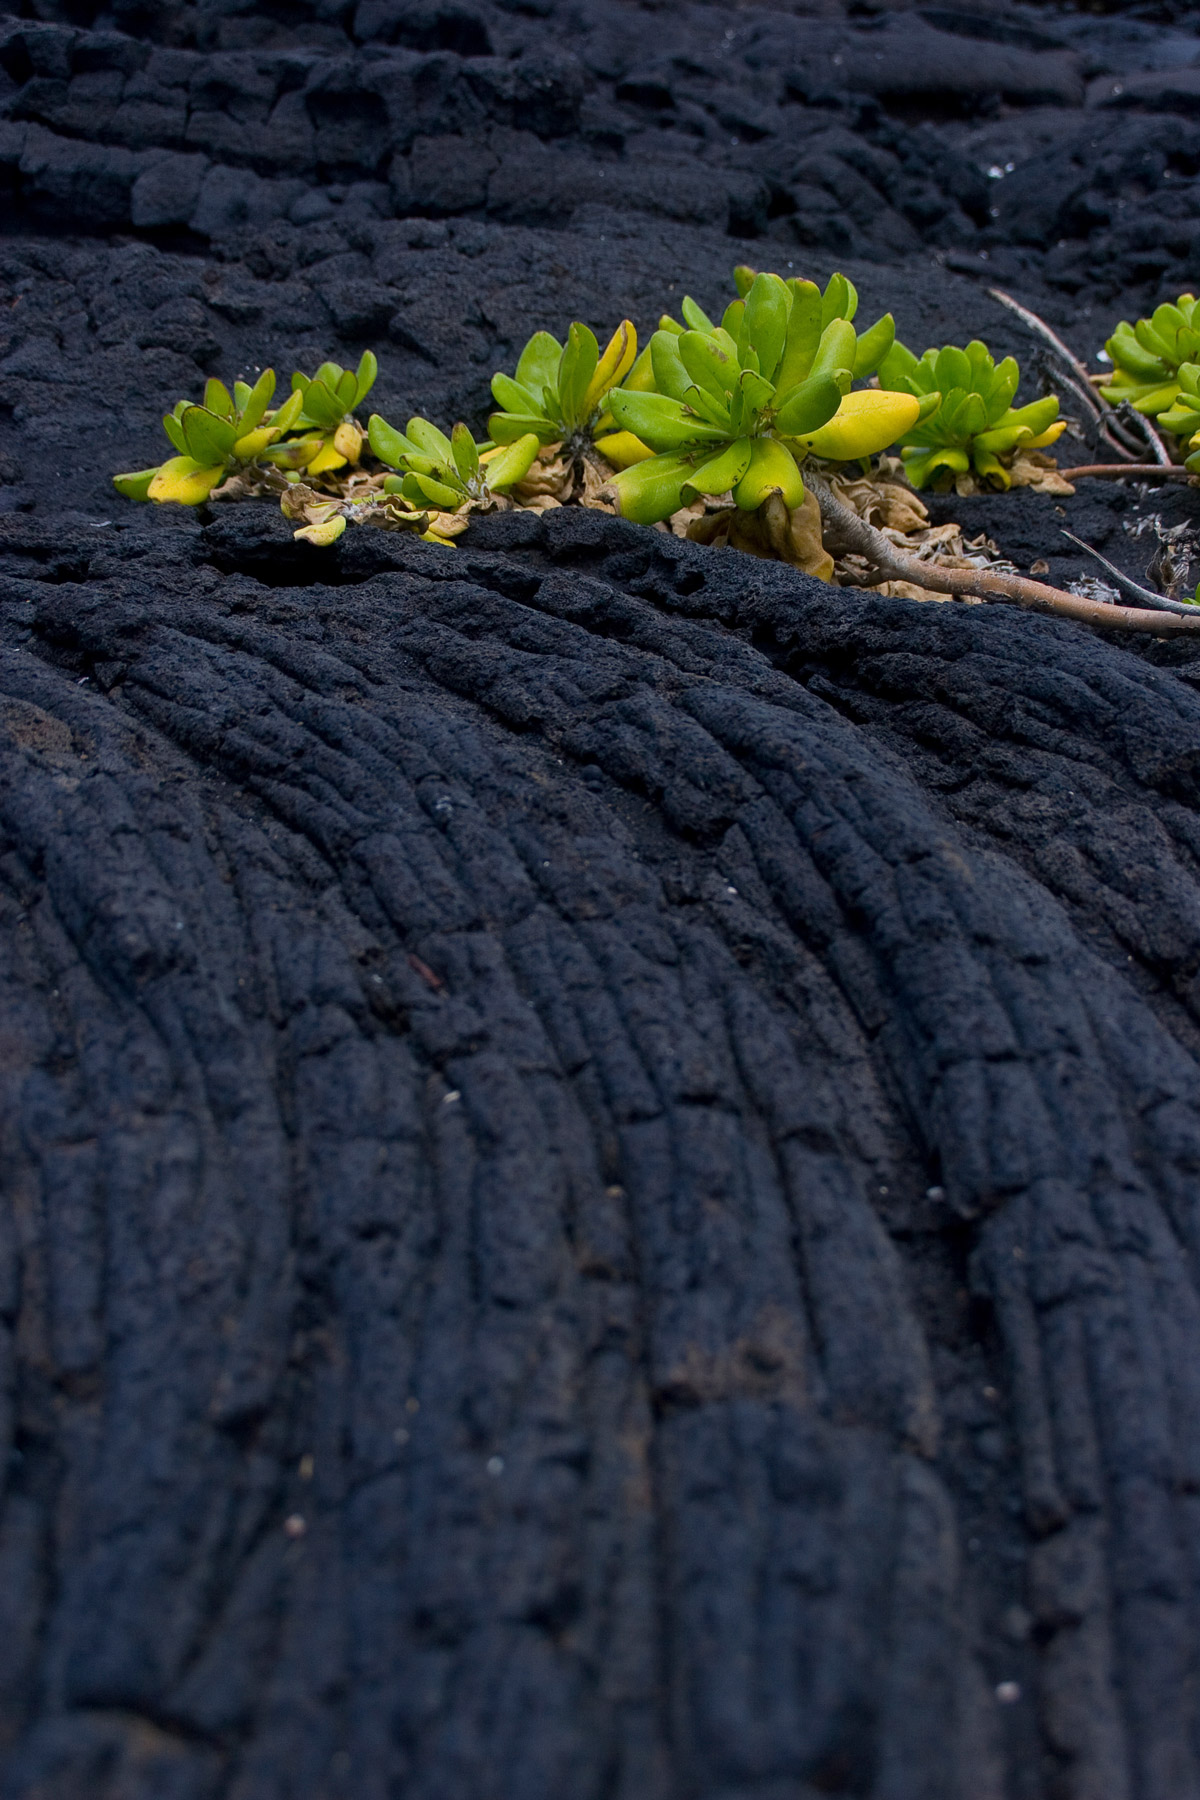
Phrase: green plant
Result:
[967,422]
[1148,357]
[228,432]
[1182,417]
[558,392]
[451,473]
[736,407]
[332,437]
[839,300]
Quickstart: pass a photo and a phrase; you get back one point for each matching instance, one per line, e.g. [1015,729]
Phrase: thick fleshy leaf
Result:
[183,480]
[285,416]
[695,318]
[439,492]
[616,360]
[743,279]
[757,391]
[253,443]
[653,490]
[921,465]
[1037,415]
[364,376]
[1051,435]
[253,408]
[803,334]
[575,370]
[466,455]
[710,365]
[662,423]
[640,379]
[866,422]
[538,365]
[809,406]
[839,301]
[901,371]
[322,535]
[670,376]
[513,396]
[506,428]
[768,305]
[348,440]
[390,446]
[174,431]
[217,398]
[428,438]
[771,468]
[322,406]
[835,350]
[952,369]
[327,458]
[720,473]
[208,438]
[136,484]
[507,465]
[622,449]
[872,346]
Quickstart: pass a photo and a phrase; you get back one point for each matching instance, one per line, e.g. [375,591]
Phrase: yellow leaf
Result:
[328,533]
[326,458]
[622,449]
[184,481]
[1047,437]
[868,420]
[254,443]
[618,358]
[348,440]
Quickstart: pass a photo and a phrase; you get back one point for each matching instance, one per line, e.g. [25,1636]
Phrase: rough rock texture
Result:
[600,1142]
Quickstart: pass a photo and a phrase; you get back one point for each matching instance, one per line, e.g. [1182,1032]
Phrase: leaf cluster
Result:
[1148,356]
[967,421]
[735,407]
[450,472]
[557,394]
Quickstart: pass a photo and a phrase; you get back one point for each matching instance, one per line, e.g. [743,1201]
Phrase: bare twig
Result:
[1043,330]
[1129,472]
[846,532]
[1147,596]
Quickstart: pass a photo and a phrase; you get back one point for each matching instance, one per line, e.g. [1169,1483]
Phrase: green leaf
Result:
[389,445]
[217,398]
[257,400]
[322,406]
[511,464]
[694,316]
[952,369]
[174,431]
[743,281]
[670,375]
[653,490]
[433,442]
[466,455]
[807,407]
[803,334]
[364,376]
[768,305]
[443,496]
[872,346]
[662,423]
[709,364]
[575,371]
[757,391]
[538,365]
[839,301]
[513,397]
[136,484]
[720,473]
[209,439]
[506,428]
[772,466]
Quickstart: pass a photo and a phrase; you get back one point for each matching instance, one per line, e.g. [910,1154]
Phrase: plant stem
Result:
[1129,471]
[847,532]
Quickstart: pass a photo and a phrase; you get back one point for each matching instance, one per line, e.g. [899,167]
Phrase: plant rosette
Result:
[455,475]
[969,435]
[330,439]
[559,392]
[735,408]
[1148,359]
[229,434]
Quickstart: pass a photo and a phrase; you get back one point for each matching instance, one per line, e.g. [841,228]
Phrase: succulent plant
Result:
[330,436]
[736,407]
[840,301]
[226,433]
[1182,417]
[967,420]
[558,392]
[1148,357]
[451,473]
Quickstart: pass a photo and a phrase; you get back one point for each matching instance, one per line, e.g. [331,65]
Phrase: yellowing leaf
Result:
[328,533]
[184,481]
[348,441]
[254,443]
[867,421]
[327,457]
[622,449]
